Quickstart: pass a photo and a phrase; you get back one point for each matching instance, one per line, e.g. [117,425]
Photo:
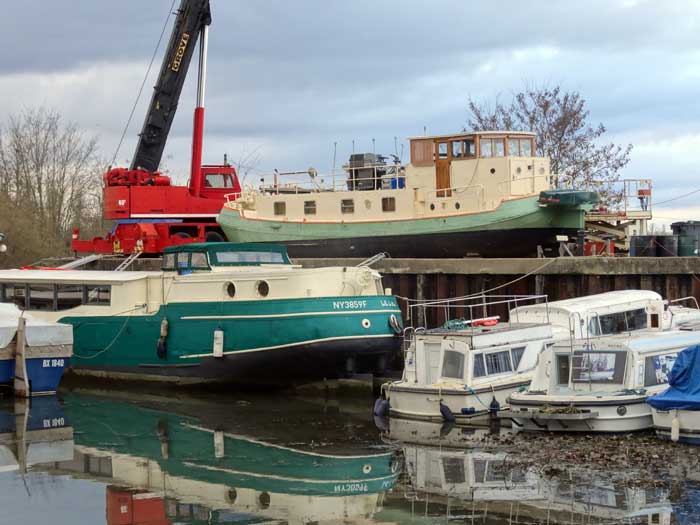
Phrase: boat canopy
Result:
[684,380]
[204,255]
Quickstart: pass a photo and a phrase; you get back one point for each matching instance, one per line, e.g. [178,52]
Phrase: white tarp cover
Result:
[39,333]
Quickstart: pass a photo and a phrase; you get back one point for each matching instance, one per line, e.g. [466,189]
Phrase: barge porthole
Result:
[621,410]
[367,468]
[457,205]
[231,290]
[263,288]
[366,323]
[264,500]
[232,496]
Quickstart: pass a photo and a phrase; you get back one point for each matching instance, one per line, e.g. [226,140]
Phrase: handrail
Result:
[688,298]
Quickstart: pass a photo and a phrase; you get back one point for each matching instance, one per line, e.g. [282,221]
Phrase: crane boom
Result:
[192,17]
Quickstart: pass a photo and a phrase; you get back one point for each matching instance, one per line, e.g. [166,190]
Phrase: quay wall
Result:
[558,278]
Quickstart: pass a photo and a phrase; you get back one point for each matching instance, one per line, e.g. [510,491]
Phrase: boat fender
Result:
[162,345]
[467,411]
[395,324]
[218,349]
[675,427]
[446,413]
[381,407]
[494,407]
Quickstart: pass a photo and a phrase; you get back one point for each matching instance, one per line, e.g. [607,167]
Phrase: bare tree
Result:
[49,173]
[560,120]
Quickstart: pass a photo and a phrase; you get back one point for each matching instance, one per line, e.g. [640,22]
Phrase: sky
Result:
[290,81]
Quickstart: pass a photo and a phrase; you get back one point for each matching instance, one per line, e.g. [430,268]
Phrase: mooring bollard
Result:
[21,385]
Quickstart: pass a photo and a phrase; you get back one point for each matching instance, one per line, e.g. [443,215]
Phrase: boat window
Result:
[263,288]
[498,363]
[98,294]
[453,364]
[525,147]
[619,322]
[517,354]
[562,369]
[15,293]
[469,148]
[249,257]
[657,368]
[199,261]
[347,206]
[456,149]
[69,296]
[479,367]
[280,208]
[485,148]
[168,261]
[41,297]
[453,467]
[442,150]
[599,367]
[388,204]
[309,207]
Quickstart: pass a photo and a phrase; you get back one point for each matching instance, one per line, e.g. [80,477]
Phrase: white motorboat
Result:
[470,366]
[676,411]
[599,385]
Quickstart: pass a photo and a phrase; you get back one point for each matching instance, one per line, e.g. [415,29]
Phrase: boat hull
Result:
[486,234]
[423,403]
[689,425]
[45,367]
[273,342]
[625,414]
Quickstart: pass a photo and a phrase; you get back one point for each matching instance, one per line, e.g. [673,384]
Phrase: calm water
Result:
[120,459]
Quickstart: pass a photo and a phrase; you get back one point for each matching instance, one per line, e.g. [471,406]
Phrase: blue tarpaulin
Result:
[684,383]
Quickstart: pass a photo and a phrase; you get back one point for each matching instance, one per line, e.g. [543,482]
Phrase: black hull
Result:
[488,243]
[279,368]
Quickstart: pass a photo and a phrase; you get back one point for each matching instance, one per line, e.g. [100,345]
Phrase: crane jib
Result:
[180,52]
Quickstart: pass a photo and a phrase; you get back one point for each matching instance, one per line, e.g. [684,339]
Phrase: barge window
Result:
[98,294]
[347,206]
[485,147]
[499,148]
[525,147]
[309,207]
[41,297]
[168,261]
[249,257]
[69,296]
[469,148]
[453,467]
[514,147]
[498,363]
[453,364]
[16,293]
[198,260]
[442,150]
[657,368]
[280,208]
[388,204]
[517,354]
[456,149]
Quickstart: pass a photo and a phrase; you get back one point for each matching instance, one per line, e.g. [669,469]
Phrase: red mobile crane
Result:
[150,212]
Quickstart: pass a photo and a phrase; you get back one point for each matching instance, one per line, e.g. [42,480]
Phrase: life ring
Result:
[485,322]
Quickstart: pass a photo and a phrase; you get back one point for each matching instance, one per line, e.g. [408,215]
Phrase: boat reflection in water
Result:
[486,486]
[166,467]
[32,432]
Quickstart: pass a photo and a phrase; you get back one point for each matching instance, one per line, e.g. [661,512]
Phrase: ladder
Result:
[82,261]
[127,262]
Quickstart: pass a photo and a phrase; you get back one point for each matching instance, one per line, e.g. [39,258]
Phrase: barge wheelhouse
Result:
[469,194]
[217,312]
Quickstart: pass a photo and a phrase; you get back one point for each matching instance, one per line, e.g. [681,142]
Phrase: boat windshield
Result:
[600,367]
[618,322]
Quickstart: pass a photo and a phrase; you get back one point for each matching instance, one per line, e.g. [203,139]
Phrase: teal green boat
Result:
[241,314]
[470,194]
